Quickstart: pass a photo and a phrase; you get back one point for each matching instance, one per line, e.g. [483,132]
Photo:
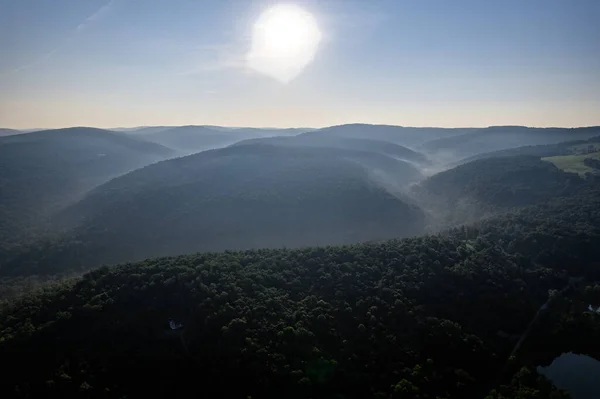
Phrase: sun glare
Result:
[284,41]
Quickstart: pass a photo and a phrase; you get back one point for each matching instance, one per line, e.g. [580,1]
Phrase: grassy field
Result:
[573,163]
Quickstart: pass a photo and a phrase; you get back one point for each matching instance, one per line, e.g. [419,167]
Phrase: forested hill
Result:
[192,139]
[8,132]
[406,136]
[73,138]
[483,187]
[234,198]
[357,144]
[44,171]
[497,138]
[548,150]
[428,317]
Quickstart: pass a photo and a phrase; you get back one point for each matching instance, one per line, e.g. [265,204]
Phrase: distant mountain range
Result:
[485,187]
[240,197]
[406,136]
[190,139]
[79,197]
[387,148]
[44,171]
[9,132]
[442,145]
[498,138]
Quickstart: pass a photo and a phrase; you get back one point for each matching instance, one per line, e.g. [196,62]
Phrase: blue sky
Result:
[407,62]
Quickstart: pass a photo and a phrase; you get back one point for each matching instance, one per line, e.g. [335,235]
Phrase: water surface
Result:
[577,374]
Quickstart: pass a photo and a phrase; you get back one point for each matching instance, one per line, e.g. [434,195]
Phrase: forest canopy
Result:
[315,321]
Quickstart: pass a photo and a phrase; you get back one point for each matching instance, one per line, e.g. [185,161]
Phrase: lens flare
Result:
[285,39]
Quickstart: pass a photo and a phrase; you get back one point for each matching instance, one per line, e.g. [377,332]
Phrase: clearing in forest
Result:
[574,163]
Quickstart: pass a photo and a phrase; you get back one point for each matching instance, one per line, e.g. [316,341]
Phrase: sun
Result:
[285,39]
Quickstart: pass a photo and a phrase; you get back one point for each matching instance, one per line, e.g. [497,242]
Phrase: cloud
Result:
[95,16]
[32,64]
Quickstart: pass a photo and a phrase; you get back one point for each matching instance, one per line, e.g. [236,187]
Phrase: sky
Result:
[123,63]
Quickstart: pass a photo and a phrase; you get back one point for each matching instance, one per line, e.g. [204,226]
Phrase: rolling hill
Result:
[487,186]
[9,132]
[239,197]
[429,317]
[141,130]
[45,171]
[406,136]
[395,151]
[265,132]
[576,147]
[192,139]
[496,138]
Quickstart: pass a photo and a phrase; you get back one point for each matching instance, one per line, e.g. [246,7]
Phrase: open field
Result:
[573,163]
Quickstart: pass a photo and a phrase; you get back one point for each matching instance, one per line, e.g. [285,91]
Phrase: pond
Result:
[577,374]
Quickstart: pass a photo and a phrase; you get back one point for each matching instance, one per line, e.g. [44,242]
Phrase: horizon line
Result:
[24,130]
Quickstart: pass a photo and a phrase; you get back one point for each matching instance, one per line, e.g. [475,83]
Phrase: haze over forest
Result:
[330,245]
[496,217]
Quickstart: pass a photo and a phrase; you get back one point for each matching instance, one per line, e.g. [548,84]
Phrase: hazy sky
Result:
[407,62]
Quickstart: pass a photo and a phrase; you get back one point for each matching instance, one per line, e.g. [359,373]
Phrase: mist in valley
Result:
[263,187]
[299,199]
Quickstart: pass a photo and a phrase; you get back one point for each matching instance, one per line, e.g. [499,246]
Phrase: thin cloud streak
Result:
[34,63]
[95,16]
[98,14]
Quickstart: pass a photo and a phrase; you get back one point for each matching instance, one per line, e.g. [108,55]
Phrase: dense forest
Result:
[44,171]
[592,163]
[488,186]
[323,263]
[209,199]
[428,317]
[236,198]
[357,144]
[334,188]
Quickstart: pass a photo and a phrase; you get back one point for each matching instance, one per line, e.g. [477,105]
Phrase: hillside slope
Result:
[9,132]
[395,151]
[189,139]
[407,136]
[44,171]
[497,138]
[234,198]
[141,130]
[576,147]
[192,139]
[426,317]
[487,186]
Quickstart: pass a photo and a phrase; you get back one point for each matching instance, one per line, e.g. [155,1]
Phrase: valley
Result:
[291,260]
[299,199]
